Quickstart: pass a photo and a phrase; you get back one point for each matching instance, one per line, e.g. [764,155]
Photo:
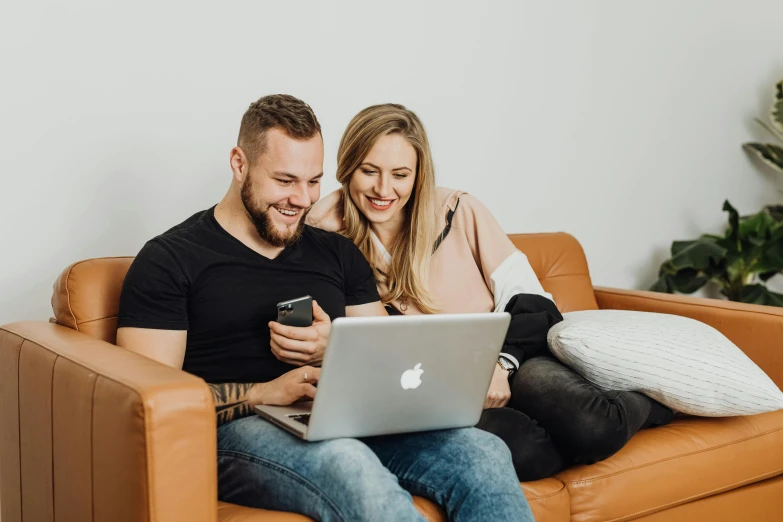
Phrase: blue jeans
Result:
[466,471]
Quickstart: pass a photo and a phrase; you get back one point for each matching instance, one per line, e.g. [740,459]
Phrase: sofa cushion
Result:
[548,498]
[560,264]
[86,296]
[663,467]
[233,513]
[683,363]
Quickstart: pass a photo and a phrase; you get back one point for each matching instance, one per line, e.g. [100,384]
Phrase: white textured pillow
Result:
[680,362]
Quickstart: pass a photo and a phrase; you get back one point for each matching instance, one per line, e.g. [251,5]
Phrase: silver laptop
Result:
[385,375]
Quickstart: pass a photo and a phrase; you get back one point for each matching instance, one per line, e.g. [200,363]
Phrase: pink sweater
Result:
[475,269]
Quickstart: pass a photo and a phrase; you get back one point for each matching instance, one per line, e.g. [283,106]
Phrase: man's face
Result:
[281,186]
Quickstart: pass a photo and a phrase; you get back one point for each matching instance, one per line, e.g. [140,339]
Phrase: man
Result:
[202,297]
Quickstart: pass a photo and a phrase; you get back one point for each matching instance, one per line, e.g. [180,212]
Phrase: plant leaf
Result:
[760,294]
[733,232]
[731,246]
[666,268]
[776,115]
[685,281]
[771,259]
[663,285]
[757,228]
[771,129]
[776,211]
[699,254]
[688,280]
[770,154]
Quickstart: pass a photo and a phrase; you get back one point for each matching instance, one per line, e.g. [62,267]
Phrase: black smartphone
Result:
[296,312]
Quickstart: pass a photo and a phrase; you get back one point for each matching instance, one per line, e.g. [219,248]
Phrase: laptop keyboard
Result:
[304,418]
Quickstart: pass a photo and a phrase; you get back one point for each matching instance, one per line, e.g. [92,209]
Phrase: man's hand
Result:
[286,389]
[301,345]
[499,390]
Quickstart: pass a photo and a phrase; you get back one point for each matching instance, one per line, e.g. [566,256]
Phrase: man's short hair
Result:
[276,111]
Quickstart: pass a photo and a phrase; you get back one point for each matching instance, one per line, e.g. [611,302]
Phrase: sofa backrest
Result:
[560,264]
[86,296]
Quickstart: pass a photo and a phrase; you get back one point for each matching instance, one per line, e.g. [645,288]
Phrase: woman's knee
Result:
[533,453]
[540,379]
[538,370]
[601,430]
[585,423]
[595,436]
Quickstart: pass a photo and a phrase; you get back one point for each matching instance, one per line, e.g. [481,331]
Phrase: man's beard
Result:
[263,223]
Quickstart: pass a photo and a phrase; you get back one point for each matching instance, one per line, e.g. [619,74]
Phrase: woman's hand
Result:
[499,390]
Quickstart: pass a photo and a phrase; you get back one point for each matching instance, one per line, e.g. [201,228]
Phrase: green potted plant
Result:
[749,253]
[738,262]
[770,153]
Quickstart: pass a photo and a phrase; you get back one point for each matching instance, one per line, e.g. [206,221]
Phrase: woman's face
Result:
[382,185]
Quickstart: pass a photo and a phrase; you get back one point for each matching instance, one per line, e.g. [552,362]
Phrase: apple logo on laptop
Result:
[411,379]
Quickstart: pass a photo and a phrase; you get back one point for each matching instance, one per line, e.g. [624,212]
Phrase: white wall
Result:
[618,121]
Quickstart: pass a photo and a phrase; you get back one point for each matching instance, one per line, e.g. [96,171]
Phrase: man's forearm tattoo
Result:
[231,401]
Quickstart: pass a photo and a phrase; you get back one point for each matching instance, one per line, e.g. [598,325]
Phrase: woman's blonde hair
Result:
[408,273]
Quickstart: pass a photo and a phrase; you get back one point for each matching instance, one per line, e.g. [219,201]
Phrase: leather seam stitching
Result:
[92,445]
[689,437]
[705,450]
[558,492]
[149,453]
[68,295]
[728,487]
[85,364]
[708,306]
[19,423]
[99,319]
[565,275]
[51,422]
[68,290]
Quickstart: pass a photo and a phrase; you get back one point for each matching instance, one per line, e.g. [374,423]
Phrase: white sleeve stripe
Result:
[514,276]
[513,360]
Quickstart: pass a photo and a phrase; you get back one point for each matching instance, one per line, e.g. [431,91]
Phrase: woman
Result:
[435,250]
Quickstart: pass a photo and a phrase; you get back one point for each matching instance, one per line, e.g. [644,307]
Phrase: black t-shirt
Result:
[198,277]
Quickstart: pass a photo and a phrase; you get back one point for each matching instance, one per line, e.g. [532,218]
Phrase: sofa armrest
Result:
[756,329]
[90,431]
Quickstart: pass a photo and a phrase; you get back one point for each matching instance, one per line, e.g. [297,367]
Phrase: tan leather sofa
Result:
[92,432]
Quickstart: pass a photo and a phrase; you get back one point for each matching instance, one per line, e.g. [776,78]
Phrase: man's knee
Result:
[254,455]
[349,461]
[479,452]
[361,483]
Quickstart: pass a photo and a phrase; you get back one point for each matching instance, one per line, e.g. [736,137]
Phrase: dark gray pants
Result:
[556,419]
